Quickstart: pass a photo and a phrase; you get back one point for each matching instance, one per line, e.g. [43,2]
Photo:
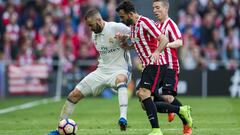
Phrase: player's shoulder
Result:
[146,20]
[115,24]
[171,21]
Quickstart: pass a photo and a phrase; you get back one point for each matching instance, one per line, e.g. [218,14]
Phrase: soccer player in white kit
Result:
[114,68]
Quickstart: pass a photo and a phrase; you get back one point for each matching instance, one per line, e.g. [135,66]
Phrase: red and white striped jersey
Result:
[144,36]
[170,29]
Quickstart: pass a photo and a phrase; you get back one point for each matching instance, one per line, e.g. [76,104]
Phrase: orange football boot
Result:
[170,117]
[187,130]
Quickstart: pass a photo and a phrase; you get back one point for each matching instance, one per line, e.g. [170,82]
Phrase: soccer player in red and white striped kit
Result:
[169,28]
[149,43]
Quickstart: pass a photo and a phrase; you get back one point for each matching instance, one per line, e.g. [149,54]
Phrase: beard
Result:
[98,29]
[128,22]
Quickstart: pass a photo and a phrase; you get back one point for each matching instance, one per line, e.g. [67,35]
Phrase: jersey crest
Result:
[111,40]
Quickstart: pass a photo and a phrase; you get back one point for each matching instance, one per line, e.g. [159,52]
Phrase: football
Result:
[67,127]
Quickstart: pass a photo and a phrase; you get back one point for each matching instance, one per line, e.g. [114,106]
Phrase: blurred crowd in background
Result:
[46,30]
[211,34]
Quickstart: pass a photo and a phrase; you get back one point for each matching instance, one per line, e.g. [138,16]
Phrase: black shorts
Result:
[151,77]
[167,80]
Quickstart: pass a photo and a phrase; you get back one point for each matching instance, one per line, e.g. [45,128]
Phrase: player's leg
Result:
[187,130]
[72,99]
[170,82]
[121,83]
[169,91]
[82,89]
[86,87]
[183,111]
[149,81]
[68,108]
[174,101]
[145,97]
[171,87]
[160,99]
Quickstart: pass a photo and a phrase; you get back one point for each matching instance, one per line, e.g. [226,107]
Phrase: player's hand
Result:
[124,46]
[119,36]
[155,55]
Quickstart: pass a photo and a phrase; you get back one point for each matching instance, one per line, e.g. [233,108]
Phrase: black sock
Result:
[151,112]
[164,107]
[178,103]
[158,98]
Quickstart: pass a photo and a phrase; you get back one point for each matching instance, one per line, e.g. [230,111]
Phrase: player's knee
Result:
[121,78]
[168,98]
[140,100]
[137,92]
[143,94]
[140,94]
[75,95]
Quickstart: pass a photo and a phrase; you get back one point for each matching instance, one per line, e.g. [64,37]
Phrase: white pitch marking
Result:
[27,105]
[167,129]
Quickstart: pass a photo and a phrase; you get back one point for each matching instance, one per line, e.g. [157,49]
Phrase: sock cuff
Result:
[176,102]
[147,99]
[68,99]
[122,84]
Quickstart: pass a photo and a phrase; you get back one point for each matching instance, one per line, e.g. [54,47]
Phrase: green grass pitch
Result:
[96,116]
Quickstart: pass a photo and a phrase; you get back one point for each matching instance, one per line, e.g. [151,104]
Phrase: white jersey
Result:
[112,56]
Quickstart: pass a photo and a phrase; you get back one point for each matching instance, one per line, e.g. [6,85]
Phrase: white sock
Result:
[67,110]
[123,99]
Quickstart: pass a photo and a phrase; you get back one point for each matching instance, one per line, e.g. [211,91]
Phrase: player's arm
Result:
[175,44]
[162,43]
[122,32]
[156,33]
[123,35]
[125,40]
[175,35]
[126,46]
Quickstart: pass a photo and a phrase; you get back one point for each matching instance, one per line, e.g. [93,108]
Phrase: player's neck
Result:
[135,18]
[164,19]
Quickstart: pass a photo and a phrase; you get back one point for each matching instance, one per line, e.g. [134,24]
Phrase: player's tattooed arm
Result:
[125,40]
[126,46]
[122,37]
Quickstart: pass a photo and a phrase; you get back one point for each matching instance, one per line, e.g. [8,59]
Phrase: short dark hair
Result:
[91,12]
[165,2]
[127,6]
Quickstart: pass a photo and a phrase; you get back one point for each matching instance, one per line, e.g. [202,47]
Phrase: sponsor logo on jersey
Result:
[105,50]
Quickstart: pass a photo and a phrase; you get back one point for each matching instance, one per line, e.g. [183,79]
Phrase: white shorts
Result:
[95,82]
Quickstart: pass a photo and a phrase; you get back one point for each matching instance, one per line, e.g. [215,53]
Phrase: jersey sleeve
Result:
[122,28]
[151,27]
[175,32]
